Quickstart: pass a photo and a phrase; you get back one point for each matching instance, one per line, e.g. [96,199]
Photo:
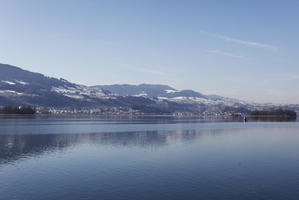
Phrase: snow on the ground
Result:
[10,92]
[21,82]
[79,92]
[171,91]
[142,94]
[182,99]
[9,82]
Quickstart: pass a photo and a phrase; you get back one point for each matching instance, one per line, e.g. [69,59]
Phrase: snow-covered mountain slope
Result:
[167,93]
[21,86]
[149,90]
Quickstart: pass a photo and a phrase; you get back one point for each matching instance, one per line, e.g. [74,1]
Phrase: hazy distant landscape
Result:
[57,96]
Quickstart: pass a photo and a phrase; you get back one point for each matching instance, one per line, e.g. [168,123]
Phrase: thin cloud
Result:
[242,42]
[222,53]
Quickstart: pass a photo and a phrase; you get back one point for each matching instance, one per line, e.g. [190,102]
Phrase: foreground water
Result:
[80,158]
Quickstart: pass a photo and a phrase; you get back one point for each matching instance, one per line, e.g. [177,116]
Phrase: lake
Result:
[147,158]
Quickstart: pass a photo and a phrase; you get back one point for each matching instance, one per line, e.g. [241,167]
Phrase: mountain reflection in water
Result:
[55,159]
[13,147]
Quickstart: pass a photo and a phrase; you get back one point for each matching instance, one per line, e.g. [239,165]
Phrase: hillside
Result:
[22,87]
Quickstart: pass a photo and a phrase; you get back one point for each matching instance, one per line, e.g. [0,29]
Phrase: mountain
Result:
[148,90]
[18,86]
[204,103]
[165,92]
[21,87]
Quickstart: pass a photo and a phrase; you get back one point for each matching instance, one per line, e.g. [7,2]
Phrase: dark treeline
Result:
[276,113]
[21,110]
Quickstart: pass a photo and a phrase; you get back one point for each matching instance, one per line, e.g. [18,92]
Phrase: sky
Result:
[241,49]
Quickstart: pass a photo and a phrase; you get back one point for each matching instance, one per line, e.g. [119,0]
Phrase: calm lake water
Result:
[154,158]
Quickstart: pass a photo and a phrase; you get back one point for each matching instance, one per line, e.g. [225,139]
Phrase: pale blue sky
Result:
[243,49]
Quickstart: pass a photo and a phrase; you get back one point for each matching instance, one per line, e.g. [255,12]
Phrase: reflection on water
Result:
[145,160]
[13,147]
[271,119]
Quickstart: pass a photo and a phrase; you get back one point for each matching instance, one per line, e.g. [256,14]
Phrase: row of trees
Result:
[21,110]
[276,113]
